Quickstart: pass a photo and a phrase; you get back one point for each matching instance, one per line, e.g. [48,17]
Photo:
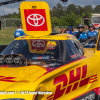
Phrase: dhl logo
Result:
[72,84]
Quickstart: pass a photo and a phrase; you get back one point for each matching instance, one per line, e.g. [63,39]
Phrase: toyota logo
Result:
[38,20]
[38,43]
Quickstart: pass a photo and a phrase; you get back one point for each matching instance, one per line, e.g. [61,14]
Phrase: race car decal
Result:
[73,37]
[37,45]
[44,57]
[59,65]
[35,19]
[68,36]
[10,79]
[79,79]
[23,37]
[74,56]
[93,78]
[51,44]
[5,65]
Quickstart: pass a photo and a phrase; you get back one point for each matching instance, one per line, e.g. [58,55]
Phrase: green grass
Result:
[7,36]
[57,30]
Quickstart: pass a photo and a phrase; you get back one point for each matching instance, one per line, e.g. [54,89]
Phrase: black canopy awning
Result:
[64,0]
[9,2]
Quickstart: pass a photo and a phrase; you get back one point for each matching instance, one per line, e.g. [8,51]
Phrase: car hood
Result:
[20,77]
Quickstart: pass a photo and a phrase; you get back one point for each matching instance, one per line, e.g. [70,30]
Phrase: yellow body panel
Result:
[49,37]
[67,82]
[30,79]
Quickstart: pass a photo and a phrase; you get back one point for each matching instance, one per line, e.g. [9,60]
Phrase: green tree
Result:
[97,9]
[55,21]
[60,11]
[88,8]
[80,10]
[54,12]
[69,19]
[71,8]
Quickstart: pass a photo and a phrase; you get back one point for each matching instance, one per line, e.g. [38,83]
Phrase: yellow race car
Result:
[44,66]
[53,67]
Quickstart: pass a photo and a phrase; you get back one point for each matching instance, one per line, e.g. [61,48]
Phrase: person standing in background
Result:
[19,32]
[53,29]
[92,32]
[61,30]
[86,22]
[69,30]
[77,30]
[81,35]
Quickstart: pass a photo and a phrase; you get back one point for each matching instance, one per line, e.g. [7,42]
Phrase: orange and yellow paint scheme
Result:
[74,80]
[70,80]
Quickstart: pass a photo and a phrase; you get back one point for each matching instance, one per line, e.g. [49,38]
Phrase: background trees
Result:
[65,15]
[71,15]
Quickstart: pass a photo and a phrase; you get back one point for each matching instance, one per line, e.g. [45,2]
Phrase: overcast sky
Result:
[11,8]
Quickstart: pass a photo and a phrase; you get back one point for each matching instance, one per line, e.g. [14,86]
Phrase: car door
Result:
[86,72]
[78,80]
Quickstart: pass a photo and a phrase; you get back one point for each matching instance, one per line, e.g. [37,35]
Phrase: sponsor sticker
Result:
[74,56]
[51,44]
[23,37]
[44,57]
[72,82]
[38,44]
[35,19]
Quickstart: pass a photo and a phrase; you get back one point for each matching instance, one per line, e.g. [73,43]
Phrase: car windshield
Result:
[34,49]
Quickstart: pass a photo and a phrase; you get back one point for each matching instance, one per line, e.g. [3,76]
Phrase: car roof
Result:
[59,36]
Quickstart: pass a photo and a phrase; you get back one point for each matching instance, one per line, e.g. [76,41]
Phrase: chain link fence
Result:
[10,22]
[14,22]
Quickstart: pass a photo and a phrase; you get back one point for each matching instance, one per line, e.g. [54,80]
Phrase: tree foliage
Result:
[65,15]
[97,9]
[72,14]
